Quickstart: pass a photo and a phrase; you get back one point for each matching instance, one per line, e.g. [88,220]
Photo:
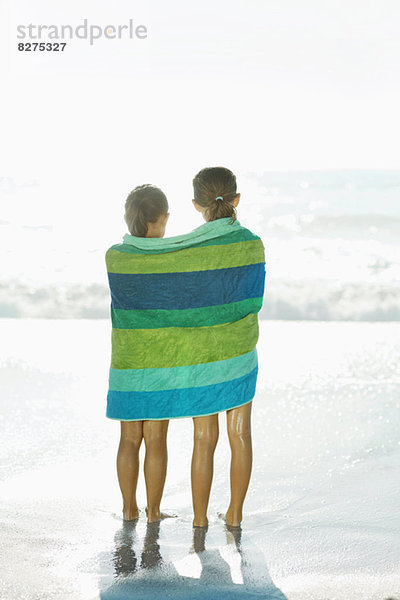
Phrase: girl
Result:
[146,215]
[216,197]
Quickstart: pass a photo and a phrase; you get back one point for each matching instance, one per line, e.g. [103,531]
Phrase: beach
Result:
[321,516]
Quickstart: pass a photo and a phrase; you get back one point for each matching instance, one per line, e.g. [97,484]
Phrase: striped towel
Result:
[184,322]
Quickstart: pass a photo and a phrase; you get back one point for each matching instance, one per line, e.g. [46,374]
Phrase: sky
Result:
[256,86]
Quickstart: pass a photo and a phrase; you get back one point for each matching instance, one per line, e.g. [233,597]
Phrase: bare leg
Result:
[239,433]
[155,465]
[128,466]
[205,440]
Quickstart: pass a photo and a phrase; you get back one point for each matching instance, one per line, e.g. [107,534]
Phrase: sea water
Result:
[322,513]
[332,241]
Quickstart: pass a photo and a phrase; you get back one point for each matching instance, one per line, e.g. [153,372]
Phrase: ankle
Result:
[130,514]
[233,517]
[153,514]
[200,521]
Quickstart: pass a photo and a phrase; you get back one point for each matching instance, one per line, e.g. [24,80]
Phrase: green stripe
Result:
[240,235]
[152,380]
[205,316]
[189,259]
[181,346]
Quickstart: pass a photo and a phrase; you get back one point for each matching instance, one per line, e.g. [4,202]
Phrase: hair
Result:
[145,204]
[215,190]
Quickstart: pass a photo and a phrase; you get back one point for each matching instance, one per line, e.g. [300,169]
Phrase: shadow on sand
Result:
[148,576]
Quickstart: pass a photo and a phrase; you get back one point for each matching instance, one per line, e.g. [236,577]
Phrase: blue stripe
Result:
[169,404]
[193,289]
[156,380]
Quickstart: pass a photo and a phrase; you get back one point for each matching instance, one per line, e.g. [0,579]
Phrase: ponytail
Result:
[215,190]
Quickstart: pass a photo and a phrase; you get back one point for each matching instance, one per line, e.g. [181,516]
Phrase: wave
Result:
[317,300]
[308,300]
[76,301]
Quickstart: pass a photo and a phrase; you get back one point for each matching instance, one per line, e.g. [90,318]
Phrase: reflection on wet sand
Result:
[124,557]
[243,575]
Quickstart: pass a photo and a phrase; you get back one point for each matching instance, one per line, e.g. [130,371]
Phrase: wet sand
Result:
[321,517]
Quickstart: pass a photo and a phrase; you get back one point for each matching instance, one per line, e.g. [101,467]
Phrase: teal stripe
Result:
[207,231]
[240,235]
[170,404]
[204,316]
[149,380]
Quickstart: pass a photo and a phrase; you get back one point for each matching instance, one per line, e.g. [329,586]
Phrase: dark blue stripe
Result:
[194,289]
[187,402]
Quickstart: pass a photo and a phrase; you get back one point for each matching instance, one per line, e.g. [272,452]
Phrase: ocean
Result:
[332,240]
[322,513]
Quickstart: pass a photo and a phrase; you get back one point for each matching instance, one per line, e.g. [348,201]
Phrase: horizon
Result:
[331,239]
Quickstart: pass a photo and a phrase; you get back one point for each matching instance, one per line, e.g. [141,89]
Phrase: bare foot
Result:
[221,516]
[130,515]
[153,517]
[229,522]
